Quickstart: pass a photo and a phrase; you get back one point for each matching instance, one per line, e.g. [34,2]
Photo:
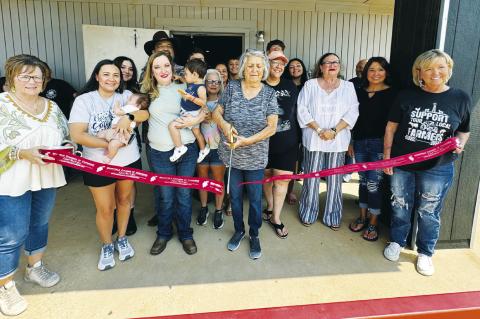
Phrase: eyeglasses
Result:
[330,63]
[213,82]
[277,63]
[26,78]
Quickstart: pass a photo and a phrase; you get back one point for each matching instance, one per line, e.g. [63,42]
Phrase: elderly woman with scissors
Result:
[247,114]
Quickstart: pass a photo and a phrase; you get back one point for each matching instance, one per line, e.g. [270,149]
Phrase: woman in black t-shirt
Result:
[375,97]
[419,119]
[283,146]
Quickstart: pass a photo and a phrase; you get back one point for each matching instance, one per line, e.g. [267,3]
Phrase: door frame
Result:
[244,28]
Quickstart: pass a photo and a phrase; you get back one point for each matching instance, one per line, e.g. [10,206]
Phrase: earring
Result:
[421,82]
[12,89]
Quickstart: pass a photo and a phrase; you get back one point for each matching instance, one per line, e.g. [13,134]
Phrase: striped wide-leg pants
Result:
[309,199]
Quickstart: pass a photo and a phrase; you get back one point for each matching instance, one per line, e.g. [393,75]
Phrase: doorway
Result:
[218,48]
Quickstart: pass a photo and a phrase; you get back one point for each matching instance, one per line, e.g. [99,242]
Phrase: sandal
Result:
[306,224]
[278,228]
[335,228]
[355,225]
[370,229]
[266,215]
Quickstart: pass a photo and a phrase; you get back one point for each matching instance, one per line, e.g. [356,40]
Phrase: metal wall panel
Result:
[52,30]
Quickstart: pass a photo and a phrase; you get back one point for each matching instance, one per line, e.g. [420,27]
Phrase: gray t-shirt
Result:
[91,108]
[249,117]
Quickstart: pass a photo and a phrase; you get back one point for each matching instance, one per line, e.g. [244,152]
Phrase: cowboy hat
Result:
[149,46]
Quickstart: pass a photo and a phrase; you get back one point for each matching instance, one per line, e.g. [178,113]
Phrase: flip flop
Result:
[278,227]
[371,229]
[356,223]
[334,228]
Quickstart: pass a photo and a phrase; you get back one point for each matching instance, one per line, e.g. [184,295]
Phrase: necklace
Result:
[32,108]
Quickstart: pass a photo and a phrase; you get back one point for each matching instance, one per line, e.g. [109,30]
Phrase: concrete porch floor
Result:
[313,265]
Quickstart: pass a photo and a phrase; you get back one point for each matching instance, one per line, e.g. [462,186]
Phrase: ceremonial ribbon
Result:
[411,158]
[65,157]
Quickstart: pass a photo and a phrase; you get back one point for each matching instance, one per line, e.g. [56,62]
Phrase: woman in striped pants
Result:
[327,110]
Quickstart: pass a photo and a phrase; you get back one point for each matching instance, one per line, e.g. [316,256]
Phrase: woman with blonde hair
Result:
[421,118]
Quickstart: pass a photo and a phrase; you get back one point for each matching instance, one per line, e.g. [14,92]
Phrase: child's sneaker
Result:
[203,153]
[218,219]
[178,152]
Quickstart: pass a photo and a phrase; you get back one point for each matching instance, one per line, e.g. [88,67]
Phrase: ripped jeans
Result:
[369,193]
[421,192]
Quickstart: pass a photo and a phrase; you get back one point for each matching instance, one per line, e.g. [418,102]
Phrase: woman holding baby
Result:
[171,204]
[93,112]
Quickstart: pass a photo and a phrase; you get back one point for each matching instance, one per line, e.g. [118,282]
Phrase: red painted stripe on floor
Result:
[453,305]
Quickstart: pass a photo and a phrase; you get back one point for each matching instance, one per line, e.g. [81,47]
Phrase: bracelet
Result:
[318,130]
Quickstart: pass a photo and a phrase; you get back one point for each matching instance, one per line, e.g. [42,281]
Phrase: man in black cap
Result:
[161,42]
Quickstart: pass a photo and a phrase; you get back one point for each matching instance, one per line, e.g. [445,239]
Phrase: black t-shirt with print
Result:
[62,93]
[373,113]
[426,119]
[287,134]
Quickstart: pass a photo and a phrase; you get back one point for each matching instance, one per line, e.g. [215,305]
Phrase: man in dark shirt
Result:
[357,81]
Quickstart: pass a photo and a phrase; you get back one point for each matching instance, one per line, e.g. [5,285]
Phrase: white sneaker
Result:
[106,260]
[125,250]
[203,153]
[392,251]
[178,152]
[425,265]
[40,275]
[11,302]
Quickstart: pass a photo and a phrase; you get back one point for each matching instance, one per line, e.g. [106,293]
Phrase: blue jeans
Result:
[24,221]
[254,192]
[423,193]
[172,203]
[370,196]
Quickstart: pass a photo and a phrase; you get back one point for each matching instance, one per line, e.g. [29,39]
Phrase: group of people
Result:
[257,116]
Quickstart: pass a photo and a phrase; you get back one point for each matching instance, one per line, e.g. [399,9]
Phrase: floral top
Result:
[24,130]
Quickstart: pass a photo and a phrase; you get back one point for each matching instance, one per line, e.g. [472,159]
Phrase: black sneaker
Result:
[255,249]
[202,216]
[218,219]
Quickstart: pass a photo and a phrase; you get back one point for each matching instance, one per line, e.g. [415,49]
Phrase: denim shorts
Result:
[212,159]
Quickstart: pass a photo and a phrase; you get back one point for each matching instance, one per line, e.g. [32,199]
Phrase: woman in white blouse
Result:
[27,183]
[327,111]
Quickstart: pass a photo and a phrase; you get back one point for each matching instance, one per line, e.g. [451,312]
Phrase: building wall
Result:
[52,30]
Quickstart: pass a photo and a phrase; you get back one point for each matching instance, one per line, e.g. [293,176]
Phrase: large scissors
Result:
[231,141]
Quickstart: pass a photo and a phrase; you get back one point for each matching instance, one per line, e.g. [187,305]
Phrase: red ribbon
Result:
[416,157]
[66,158]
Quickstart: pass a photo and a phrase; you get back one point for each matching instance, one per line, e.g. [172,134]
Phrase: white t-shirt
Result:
[91,108]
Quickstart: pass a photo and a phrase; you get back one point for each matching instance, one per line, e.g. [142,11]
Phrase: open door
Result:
[106,42]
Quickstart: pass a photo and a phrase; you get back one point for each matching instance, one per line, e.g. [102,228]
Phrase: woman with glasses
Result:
[212,162]
[327,111]
[27,184]
[283,146]
[247,115]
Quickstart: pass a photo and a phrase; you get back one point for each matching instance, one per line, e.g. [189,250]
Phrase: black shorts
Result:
[93,180]
[285,161]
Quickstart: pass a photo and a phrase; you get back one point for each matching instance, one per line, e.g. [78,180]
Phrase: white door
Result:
[105,42]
